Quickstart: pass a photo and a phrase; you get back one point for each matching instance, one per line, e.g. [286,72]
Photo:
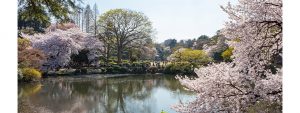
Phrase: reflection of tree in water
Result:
[110,95]
[24,91]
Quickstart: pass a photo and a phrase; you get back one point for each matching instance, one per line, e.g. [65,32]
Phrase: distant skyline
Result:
[179,19]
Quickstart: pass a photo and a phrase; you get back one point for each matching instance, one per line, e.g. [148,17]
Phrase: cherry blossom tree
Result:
[254,76]
[59,43]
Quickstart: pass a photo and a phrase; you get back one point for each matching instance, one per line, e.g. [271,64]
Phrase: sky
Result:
[179,19]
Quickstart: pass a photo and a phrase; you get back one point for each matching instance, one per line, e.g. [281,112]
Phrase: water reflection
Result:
[131,94]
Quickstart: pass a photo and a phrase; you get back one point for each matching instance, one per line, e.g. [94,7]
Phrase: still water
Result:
[94,94]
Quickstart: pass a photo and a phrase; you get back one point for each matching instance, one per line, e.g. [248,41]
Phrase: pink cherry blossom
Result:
[58,45]
[255,74]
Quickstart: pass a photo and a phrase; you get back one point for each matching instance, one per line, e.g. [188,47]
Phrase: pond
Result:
[98,94]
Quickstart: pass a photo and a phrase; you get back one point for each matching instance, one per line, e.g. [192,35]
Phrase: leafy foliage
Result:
[181,68]
[170,43]
[30,74]
[37,13]
[227,54]
[195,57]
[126,27]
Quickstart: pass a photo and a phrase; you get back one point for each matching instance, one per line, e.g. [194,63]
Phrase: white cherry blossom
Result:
[255,75]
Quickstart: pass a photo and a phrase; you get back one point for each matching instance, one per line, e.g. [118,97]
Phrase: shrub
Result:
[77,71]
[227,54]
[147,62]
[112,63]
[117,69]
[152,69]
[113,59]
[123,69]
[103,70]
[30,74]
[126,64]
[136,64]
[138,70]
[197,57]
[179,68]
[83,71]
[125,61]
[66,71]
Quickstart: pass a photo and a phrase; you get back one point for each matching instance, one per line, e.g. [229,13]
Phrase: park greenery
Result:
[238,69]
[118,41]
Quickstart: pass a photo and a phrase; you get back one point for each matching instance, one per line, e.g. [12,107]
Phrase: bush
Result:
[112,63]
[125,61]
[77,71]
[136,64]
[179,68]
[116,69]
[152,69]
[94,71]
[30,74]
[138,70]
[227,54]
[81,71]
[65,71]
[126,64]
[103,70]
[147,62]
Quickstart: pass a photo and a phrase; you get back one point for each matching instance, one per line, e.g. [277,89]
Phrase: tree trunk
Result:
[95,24]
[107,54]
[119,54]
[82,21]
[130,56]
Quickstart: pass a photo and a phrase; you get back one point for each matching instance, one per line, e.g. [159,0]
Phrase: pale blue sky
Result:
[179,19]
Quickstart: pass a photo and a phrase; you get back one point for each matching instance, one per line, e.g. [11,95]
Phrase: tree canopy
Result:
[252,77]
[37,13]
[195,57]
[127,27]
[61,43]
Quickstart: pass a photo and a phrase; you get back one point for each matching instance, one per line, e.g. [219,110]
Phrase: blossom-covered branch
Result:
[255,73]
[59,43]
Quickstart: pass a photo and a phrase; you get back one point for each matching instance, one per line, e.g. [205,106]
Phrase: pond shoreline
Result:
[131,92]
[103,75]
[96,76]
